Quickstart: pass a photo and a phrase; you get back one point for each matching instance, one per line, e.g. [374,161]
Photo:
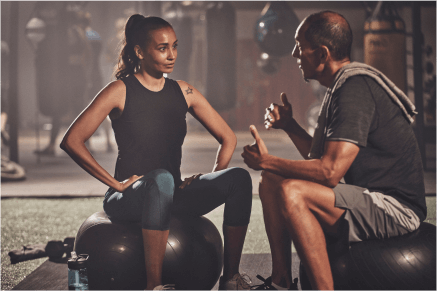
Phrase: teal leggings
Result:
[152,199]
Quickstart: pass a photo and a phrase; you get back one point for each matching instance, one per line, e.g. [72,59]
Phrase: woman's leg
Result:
[233,247]
[233,187]
[148,201]
[155,242]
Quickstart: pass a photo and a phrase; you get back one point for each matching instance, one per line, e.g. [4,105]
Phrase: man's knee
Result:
[292,194]
[288,192]
[269,183]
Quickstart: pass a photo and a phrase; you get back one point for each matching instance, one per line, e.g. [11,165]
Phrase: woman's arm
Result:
[200,108]
[110,101]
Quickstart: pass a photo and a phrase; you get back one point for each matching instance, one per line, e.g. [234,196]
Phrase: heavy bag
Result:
[221,87]
[275,29]
[50,62]
[384,43]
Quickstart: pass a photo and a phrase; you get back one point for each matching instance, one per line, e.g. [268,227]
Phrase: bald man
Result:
[363,135]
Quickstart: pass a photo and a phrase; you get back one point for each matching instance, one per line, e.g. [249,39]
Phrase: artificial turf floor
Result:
[37,221]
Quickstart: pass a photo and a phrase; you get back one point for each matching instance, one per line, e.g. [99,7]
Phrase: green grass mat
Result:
[33,221]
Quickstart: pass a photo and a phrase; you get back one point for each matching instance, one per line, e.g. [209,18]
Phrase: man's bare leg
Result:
[306,208]
[277,232]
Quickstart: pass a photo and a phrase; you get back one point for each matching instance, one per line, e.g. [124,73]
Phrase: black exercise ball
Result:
[193,256]
[275,29]
[406,262]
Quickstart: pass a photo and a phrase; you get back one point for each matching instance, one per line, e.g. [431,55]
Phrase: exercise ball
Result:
[193,256]
[406,262]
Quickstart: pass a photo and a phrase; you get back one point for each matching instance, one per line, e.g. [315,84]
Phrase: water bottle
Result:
[77,273]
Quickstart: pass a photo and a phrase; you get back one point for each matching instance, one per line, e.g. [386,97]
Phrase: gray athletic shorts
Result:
[372,215]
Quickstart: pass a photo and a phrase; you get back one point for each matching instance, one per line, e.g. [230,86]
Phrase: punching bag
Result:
[221,41]
[50,60]
[384,43]
[275,29]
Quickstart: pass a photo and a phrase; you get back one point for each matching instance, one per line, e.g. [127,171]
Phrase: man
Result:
[363,134]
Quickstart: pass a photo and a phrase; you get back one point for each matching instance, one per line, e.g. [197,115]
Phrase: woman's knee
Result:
[163,180]
[242,178]
[239,204]
[159,190]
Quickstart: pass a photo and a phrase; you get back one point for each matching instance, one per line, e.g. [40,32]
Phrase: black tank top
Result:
[151,130]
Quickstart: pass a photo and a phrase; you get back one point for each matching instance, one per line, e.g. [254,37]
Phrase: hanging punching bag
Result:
[50,60]
[221,41]
[275,29]
[384,43]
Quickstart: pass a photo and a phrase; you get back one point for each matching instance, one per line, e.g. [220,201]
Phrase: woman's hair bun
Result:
[132,23]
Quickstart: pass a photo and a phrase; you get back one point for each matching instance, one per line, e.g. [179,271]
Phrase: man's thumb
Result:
[285,100]
[254,132]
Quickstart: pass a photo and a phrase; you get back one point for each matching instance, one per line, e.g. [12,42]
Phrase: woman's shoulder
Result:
[114,90]
[116,86]
[181,83]
[186,87]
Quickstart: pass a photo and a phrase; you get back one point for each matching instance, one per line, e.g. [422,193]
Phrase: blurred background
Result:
[57,55]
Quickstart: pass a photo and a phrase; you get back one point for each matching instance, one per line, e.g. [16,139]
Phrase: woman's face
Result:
[161,51]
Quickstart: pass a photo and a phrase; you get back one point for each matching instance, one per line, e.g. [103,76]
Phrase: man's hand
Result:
[278,116]
[187,181]
[254,154]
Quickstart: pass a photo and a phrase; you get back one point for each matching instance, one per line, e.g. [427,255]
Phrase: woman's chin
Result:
[168,70]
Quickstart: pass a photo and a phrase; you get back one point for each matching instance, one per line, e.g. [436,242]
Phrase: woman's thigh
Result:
[126,206]
[232,186]
[146,198]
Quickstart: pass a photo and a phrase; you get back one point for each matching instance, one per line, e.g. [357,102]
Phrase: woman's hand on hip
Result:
[188,180]
[126,183]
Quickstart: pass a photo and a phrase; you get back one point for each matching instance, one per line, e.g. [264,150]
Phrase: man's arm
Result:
[281,117]
[327,171]
[300,137]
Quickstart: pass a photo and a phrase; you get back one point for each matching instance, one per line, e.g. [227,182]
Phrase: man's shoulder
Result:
[355,87]
[357,81]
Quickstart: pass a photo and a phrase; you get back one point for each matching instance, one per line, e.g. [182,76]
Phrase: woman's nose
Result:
[172,54]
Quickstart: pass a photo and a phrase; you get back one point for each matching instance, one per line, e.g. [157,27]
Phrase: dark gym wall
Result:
[105,13]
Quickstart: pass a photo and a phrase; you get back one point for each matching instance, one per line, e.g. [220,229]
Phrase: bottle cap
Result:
[78,262]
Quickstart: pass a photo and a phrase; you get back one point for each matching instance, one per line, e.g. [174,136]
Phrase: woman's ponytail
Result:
[137,32]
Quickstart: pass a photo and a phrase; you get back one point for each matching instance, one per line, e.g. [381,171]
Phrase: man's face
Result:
[306,56]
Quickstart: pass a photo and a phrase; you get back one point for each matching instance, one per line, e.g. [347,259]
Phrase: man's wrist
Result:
[264,161]
[290,126]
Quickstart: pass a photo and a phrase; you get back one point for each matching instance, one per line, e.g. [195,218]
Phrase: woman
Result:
[148,113]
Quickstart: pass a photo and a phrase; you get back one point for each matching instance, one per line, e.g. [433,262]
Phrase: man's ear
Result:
[324,54]
[138,52]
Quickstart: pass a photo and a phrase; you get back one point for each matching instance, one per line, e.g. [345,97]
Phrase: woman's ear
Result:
[138,52]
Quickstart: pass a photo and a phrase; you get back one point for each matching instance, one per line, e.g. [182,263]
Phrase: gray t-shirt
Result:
[389,159]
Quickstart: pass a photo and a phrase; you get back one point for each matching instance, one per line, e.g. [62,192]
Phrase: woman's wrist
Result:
[117,186]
